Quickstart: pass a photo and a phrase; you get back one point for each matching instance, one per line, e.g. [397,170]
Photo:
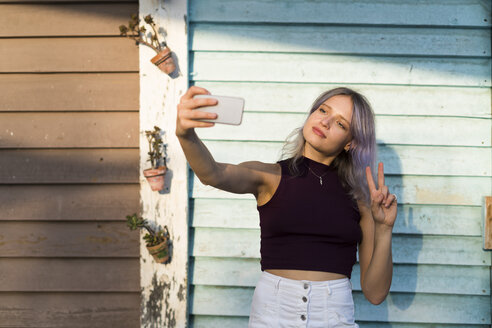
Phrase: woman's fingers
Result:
[380,175]
[193,90]
[390,199]
[199,102]
[377,197]
[384,190]
[197,114]
[380,196]
[196,103]
[188,116]
[370,180]
[376,200]
[189,121]
[188,109]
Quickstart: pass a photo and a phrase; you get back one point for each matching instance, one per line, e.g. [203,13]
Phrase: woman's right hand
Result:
[187,114]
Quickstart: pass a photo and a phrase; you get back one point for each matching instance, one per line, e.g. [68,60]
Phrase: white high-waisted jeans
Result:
[280,302]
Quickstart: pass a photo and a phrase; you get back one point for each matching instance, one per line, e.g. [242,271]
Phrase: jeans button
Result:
[304,299]
[303,317]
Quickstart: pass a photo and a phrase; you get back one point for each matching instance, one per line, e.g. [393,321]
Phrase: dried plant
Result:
[152,238]
[155,147]
[139,33]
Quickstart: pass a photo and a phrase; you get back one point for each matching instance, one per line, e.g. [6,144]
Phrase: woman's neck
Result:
[318,157]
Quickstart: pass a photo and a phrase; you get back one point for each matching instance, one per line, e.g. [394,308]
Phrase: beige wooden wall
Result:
[69,163]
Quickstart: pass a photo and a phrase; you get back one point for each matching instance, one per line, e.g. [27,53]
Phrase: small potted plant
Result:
[155,175]
[157,243]
[163,59]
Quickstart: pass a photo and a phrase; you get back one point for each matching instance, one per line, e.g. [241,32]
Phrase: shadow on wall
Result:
[405,250]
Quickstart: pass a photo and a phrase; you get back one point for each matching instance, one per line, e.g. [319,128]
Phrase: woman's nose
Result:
[325,121]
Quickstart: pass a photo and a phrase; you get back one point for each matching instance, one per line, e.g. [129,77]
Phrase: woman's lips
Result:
[318,132]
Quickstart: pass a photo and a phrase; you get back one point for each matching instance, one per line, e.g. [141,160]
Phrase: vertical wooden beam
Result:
[165,286]
[487,231]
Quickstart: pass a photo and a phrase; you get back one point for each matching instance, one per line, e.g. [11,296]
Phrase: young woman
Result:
[316,207]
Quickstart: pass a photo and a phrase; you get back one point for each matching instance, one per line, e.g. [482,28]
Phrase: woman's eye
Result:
[341,125]
[322,110]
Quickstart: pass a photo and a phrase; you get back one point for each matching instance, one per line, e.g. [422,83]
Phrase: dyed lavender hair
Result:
[351,165]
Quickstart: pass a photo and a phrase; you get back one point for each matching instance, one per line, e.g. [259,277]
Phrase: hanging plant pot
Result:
[164,61]
[155,177]
[139,33]
[157,241]
[160,252]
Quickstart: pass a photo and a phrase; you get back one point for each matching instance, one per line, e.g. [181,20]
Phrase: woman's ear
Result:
[349,145]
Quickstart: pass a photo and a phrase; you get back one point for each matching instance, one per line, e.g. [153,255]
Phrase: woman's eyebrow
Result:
[343,118]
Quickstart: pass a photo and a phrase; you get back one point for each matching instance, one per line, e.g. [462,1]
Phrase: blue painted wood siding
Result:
[426,68]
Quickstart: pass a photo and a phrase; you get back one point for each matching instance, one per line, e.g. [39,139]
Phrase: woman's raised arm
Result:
[246,177]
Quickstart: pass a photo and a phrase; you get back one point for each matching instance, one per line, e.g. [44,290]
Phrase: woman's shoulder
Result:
[266,168]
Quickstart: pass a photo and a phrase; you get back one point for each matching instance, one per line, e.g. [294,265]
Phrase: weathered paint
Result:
[315,68]
[165,286]
[390,129]
[425,67]
[297,97]
[407,277]
[410,189]
[398,307]
[398,159]
[473,13]
[407,248]
[412,219]
[364,40]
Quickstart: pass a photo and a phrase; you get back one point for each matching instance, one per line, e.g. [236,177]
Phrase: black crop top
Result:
[308,226]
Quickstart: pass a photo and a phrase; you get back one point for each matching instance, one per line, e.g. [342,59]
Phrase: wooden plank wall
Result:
[426,68]
[69,164]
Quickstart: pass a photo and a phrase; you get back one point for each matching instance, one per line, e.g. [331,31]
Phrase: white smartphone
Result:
[229,109]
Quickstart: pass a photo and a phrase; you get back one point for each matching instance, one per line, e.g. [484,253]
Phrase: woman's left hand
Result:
[383,204]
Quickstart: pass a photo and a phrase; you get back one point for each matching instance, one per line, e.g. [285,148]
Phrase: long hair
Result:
[350,165]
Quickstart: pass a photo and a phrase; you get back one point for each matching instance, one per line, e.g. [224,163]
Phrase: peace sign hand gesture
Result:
[383,204]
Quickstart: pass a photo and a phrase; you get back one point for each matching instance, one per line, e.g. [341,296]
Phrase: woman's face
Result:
[327,129]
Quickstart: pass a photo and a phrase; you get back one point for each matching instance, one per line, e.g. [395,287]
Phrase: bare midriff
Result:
[306,274]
